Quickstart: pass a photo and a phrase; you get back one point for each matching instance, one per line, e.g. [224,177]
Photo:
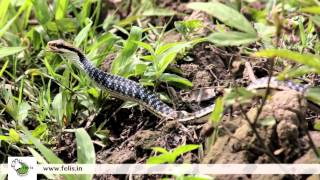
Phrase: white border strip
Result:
[173,169]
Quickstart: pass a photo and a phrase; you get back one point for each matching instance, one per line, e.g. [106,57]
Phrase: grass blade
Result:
[4,4]
[61,8]
[313,94]
[167,77]
[217,113]
[313,61]
[7,51]
[85,150]
[83,34]
[231,38]
[41,11]
[311,9]
[47,153]
[128,50]
[11,21]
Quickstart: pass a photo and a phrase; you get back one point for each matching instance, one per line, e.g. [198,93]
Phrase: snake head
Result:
[61,46]
[56,46]
[67,50]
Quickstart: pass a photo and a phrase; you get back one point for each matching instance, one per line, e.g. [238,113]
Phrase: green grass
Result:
[38,86]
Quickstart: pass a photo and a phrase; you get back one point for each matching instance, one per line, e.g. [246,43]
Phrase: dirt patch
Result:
[280,134]
[281,128]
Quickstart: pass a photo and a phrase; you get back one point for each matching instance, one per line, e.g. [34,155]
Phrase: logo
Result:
[22,168]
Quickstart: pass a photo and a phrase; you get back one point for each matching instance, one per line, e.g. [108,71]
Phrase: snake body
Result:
[127,89]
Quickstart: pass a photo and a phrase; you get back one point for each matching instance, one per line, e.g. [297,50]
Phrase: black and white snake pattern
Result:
[127,89]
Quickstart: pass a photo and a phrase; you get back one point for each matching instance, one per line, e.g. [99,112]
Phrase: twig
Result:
[250,72]
[260,140]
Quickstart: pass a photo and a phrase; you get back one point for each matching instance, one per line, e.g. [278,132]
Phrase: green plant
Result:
[85,152]
[187,27]
[231,17]
[159,59]
[311,64]
[170,156]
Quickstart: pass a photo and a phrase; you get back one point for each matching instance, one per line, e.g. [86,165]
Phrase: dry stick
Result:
[253,125]
[256,133]
[304,127]
[264,99]
[240,140]
[250,72]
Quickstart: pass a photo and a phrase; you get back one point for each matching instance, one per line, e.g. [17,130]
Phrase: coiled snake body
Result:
[126,89]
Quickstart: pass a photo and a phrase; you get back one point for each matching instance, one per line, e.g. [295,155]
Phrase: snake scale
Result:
[127,89]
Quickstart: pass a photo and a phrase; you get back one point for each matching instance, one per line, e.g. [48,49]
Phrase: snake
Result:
[129,90]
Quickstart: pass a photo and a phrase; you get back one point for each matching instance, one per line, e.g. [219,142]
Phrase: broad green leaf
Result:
[41,160]
[227,15]
[134,67]
[140,69]
[311,9]
[146,46]
[302,33]
[94,92]
[4,138]
[316,126]
[7,51]
[167,54]
[163,62]
[41,9]
[61,7]
[22,111]
[161,159]
[83,34]
[173,46]
[313,94]
[310,60]
[167,77]
[185,27]
[66,24]
[290,73]
[159,149]
[57,107]
[85,150]
[17,111]
[107,39]
[217,113]
[52,27]
[129,48]
[237,95]
[231,38]
[14,135]
[47,153]
[184,149]
[39,130]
